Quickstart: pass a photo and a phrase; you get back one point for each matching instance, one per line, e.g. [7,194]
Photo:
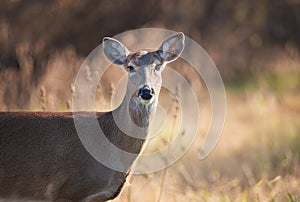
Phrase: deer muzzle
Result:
[146,93]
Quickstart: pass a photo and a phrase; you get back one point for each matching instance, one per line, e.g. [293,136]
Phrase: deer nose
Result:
[146,93]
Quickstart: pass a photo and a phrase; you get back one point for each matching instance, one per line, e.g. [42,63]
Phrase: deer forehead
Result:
[143,58]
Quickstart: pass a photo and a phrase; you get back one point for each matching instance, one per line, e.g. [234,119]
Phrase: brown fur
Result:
[44,161]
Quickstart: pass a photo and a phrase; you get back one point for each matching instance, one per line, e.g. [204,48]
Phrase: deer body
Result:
[41,155]
[51,162]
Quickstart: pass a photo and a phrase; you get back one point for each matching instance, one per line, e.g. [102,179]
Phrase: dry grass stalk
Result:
[43,98]
[175,106]
[69,102]
[111,89]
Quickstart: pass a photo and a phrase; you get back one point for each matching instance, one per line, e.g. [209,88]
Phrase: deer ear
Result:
[114,50]
[172,47]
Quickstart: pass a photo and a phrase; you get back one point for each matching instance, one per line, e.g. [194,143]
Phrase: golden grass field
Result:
[256,159]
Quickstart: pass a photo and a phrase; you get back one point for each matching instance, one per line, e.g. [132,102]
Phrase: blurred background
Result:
[255,45]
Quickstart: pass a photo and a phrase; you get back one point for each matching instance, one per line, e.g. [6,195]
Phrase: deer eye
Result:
[130,68]
[157,67]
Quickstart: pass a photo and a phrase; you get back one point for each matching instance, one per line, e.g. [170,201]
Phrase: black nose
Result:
[145,93]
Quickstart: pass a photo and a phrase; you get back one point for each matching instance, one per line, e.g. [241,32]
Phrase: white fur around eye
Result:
[132,73]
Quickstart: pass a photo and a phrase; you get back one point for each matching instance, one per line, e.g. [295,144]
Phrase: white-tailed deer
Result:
[41,155]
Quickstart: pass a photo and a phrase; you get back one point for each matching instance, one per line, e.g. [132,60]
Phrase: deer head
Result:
[144,69]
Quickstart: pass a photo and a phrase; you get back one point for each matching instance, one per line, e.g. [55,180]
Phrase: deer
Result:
[41,155]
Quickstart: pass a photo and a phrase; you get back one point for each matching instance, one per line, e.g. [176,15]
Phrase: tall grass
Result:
[257,158]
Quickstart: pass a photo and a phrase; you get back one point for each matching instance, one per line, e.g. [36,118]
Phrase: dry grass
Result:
[257,158]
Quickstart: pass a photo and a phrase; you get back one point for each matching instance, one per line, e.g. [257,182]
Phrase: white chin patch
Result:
[146,102]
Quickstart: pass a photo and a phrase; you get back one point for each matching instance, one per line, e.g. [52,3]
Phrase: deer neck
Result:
[134,116]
